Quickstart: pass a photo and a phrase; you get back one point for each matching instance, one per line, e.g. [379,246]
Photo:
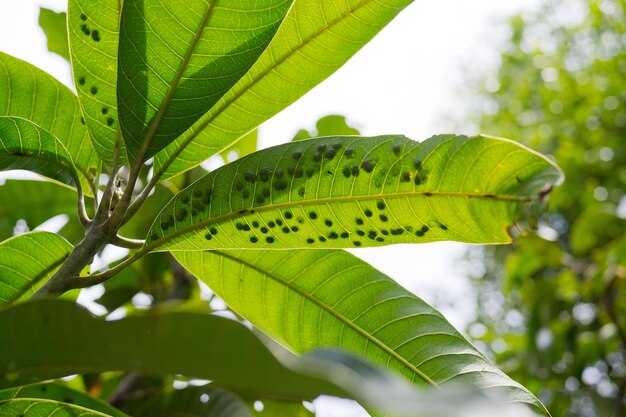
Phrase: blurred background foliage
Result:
[552,307]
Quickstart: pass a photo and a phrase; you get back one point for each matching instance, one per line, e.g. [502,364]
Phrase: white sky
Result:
[406,81]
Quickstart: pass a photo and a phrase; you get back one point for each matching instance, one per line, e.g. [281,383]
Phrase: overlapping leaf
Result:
[352,191]
[316,38]
[177,59]
[93,35]
[29,407]
[309,299]
[29,93]
[27,262]
[55,27]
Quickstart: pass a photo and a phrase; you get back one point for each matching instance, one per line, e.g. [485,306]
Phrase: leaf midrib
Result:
[335,314]
[244,211]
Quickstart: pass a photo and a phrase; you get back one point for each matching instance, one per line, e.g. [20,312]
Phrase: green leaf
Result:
[206,401]
[35,202]
[24,145]
[215,348]
[29,407]
[331,125]
[177,59]
[282,409]
[29,93]
[59,392]
[352,191]
[244,146]
[55,28]
[27,261]
[316,38]
[93,35]
[309,299]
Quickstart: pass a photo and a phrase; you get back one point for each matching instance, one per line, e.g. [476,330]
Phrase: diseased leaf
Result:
[26,262]
[60,392]
[316,38]
[29,93]
[24,145]
[93,35]
[36,202]
[352,191]
[309,299]
[177,59]
[55,28]
[28,407]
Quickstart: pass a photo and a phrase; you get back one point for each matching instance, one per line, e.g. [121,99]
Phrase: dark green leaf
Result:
[55,27]
[27,262]
[309,299]
[352,191]
[94,32]
[28,407]
[178,58]
[316,38]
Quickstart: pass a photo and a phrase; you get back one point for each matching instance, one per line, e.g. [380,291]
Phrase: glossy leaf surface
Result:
[352,191]
[27,261]
[316,38]
[93,34]
[177,59]
[309,299]
[30,93]
[29,407]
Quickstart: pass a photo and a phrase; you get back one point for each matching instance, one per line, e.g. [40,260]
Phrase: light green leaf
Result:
[29,93]
[352,191]
[282,409]
[206,401]
[243,147]
[35,202]
[93,34]
[27,261]
[316,38]
[177,59]
[24,145]
[331,125]
[55,28]
[309,299]
[28,407]
[59,392]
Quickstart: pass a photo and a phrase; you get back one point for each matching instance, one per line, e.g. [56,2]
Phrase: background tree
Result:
[561,326]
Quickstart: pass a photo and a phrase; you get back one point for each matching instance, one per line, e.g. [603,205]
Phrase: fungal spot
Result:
[164,225]
[345,235]
[328,222]
[330,153]
[368,212]
[260,199]
[309,172]
[406,177]
[408,228]
[443,227]
[81,81]
[68,400]
[82,120]
[19,153]
[265,192]
[322,239]
[418,180]
[110,121]
[104,110]
[181,214]
[317,156]
[246,227]
[239,226]
[279,222]
[336,146]
[300,220]
[253,239]
[265,173]
[286,229]
[297,155]
[321,148]
[310,241]
[83,17]
[348,153]
[255,224]
[280,185]
[360,232]
[264,230]
[346,172]
[301,192]
[250,176]
[95,35]
[271,224]
[356,243]
[279,173]
[93,90]
[154,236]
[355,171]
[417,164]
[208,236]
[85,29]
[269,239]
[198,205]
[396,149]
[383,218]
[333,235]
[380,239]
[298,172]
[238,186]
[294,228]
[359,221]
[380,205]
[245,194]
[288,215]
[213,230]
[397,232]
[489,196]
[427,194]
[368,166]
[312,215]
[372,234]
[384,232]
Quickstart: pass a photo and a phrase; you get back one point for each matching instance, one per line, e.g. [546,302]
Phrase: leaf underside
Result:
[29,407]
[351,192]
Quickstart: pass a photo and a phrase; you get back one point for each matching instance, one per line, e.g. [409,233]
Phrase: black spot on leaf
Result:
[269,239]
[383,218]
[271,224]
[264,230]
[368,166]
[253,239]
[81,81]
[83,17]
[95,35]
[85,29]
[368,212]
[348,153]
[359,221]
[93,90]
[356,243]
[345,235]
[213,230]
[310,241]
[288,215]
[312,215]
[250,176]
[110,121]
[328,222]
[297,155]
[380,205]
